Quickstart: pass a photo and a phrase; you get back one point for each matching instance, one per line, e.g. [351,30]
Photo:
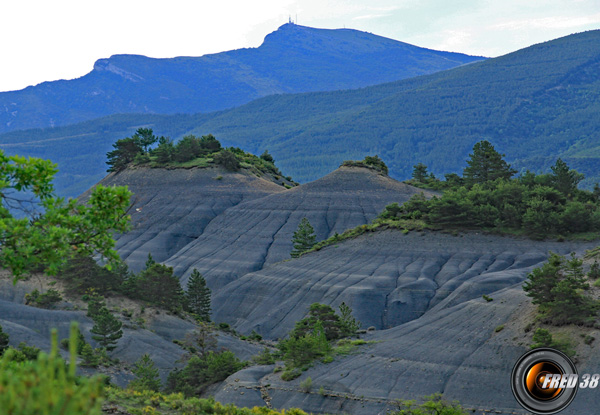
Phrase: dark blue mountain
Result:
[292,59]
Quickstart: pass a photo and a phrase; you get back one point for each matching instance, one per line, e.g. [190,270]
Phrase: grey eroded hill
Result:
[249,235]
[388,278]
[430,286]
[172,207]
[32,325]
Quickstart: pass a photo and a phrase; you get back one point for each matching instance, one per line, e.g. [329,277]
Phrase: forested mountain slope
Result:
[534,105]
[292,59]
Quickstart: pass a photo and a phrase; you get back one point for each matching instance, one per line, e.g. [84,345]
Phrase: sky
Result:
[45,40]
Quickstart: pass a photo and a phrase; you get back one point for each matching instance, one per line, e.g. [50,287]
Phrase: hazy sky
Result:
[44,40]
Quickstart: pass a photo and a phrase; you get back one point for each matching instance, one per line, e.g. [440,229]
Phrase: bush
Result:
[290,374]
[264,358]
[46,300]
[543,338]
[202,371]
[434,404]
[146,375]
[49,380]
[306,385]
[228,160]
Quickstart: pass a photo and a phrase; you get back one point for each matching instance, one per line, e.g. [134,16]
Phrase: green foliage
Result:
[3,341]
[82,273]
[137,402]
[88,357]
[125,151]
[419,172]
[163,153]
[300,350]
[146,375]
[266,156]
[47,386]
[304,238]
[535,205]
[485,164]
[159,286]
[290,374]
[543,338]
[557,288]
[198,296]
[348,324]
[107,329]
[594,272]
[564,179]
[306,385]
[80,342]
[319,315]
[433,405]
[264,358]
[228,160]
[202,371]
[373,162]
[43,241]
[45,300]
[95,302]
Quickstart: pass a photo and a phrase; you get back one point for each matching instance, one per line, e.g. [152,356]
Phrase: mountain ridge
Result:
[534,105]
[291,59]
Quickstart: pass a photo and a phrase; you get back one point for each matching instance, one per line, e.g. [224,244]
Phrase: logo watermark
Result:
[545,381]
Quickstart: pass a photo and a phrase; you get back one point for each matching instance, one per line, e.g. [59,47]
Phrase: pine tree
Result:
[349,325]
[150,261]
[486,164]
[146,375]
[88,356]
[159,286]
[304,238]
[124,153]
[198,296]
[420,172]
[95,302]
[107,329]
[564,179]
[3,341]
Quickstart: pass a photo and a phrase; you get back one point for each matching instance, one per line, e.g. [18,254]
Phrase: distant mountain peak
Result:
[291,59]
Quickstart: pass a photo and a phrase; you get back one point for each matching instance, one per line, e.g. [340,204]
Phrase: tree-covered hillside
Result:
[535,105]
[292,59]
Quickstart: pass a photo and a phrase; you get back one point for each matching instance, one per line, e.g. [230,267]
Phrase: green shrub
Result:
[487,298]
[290,374]
[47,386]
[499,328]
[264,358]
[3,341]
[202,371]
[306,385]
[46,300]
[146,375]
[543,338]
[434,404]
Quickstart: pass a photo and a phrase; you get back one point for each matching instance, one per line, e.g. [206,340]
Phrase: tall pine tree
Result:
[304,238]
[486,164]
[107,329]
[198,296]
